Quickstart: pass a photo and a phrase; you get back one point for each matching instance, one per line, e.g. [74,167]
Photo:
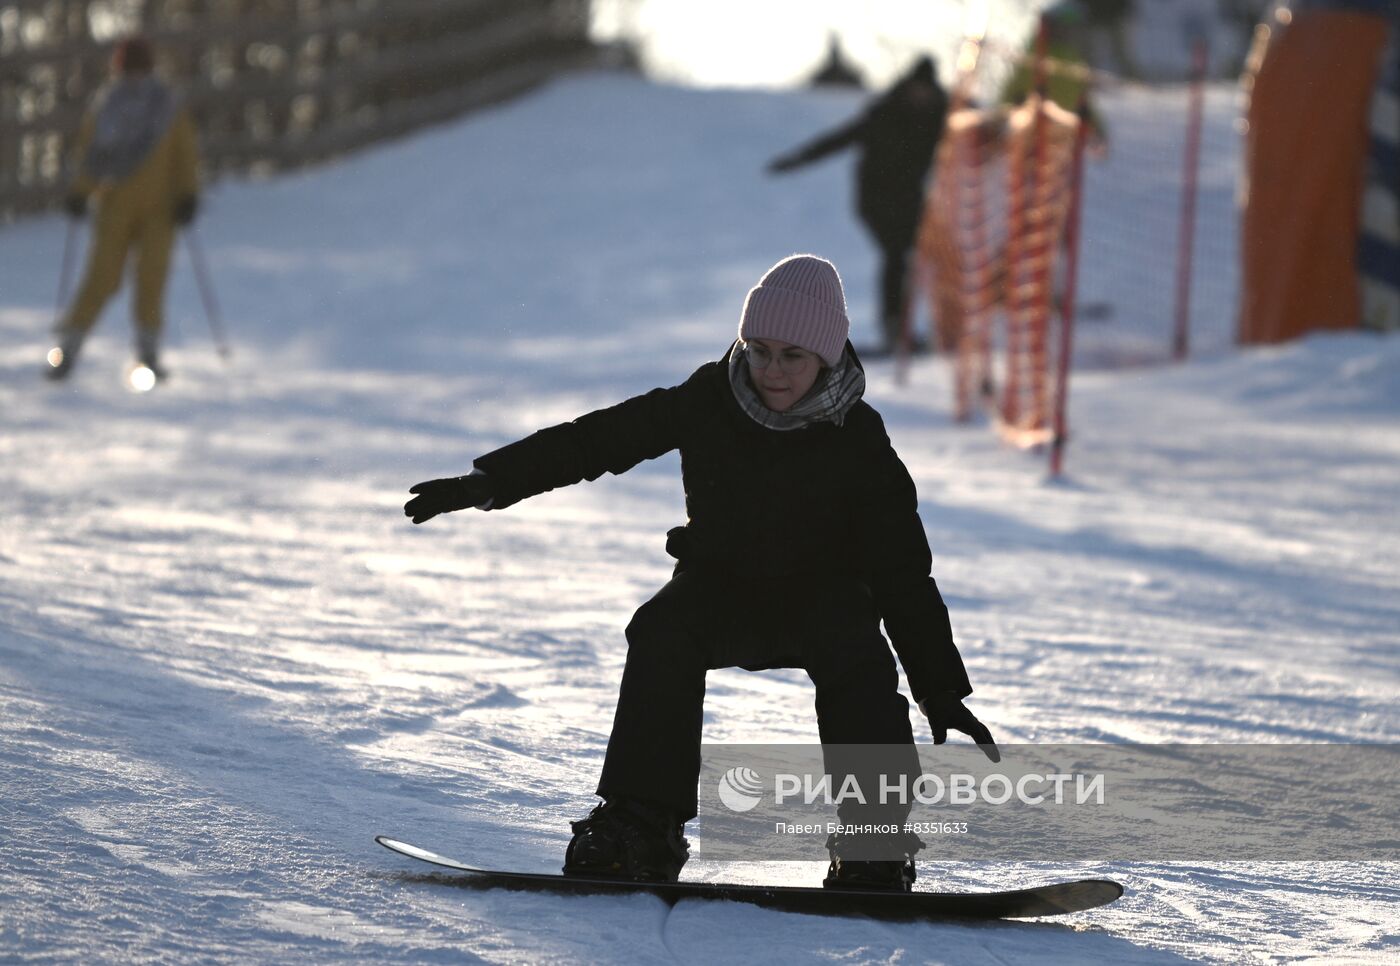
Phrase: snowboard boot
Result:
[875,875]
[894,874]
[628,839]
[62,357]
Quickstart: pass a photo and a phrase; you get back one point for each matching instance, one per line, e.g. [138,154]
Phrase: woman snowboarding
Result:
[802,535]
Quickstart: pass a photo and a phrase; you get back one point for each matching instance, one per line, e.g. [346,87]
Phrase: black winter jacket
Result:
[821,501]
[897,141]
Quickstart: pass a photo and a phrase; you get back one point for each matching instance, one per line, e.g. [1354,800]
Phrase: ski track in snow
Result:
[227,661]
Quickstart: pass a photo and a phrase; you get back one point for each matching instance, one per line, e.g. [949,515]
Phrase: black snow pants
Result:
[894,290]
[895,234]
[697,622]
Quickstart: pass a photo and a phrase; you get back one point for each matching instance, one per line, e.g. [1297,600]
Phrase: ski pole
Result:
[65,271]
[206,295]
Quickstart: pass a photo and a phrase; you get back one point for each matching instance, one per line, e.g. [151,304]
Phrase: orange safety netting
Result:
[989,246]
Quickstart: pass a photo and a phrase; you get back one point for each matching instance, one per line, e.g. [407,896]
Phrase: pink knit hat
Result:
[799,301]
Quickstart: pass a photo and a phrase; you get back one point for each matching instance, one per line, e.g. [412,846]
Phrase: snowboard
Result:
[1052,899]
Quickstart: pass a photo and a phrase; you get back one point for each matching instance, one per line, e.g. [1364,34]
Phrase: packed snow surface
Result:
[227,660]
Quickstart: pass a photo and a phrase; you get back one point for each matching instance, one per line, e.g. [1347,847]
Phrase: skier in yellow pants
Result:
[136,161]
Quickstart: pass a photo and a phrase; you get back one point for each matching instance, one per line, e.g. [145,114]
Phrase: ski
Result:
[1051,899]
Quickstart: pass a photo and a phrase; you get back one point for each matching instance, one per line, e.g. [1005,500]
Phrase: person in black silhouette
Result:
[897,136]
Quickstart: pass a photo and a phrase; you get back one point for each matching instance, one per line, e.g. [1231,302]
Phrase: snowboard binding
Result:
[628,839]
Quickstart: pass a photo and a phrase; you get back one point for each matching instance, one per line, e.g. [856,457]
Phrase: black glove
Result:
[945,711]
[785,163]
[75,204]
[446,496]
[185,209]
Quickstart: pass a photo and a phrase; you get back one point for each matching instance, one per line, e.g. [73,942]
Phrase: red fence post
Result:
[1186,232]
[1067,306]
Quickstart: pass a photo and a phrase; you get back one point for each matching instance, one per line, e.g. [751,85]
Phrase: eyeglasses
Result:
[792,360]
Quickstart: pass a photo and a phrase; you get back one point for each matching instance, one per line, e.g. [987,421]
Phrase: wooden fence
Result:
[272,83]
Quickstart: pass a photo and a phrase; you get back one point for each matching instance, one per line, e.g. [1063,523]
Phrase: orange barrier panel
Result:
[1306,155]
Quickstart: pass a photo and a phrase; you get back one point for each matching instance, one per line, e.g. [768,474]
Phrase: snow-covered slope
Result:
[226,660]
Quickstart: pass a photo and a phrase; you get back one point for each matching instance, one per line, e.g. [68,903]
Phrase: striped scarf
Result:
[829,400]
